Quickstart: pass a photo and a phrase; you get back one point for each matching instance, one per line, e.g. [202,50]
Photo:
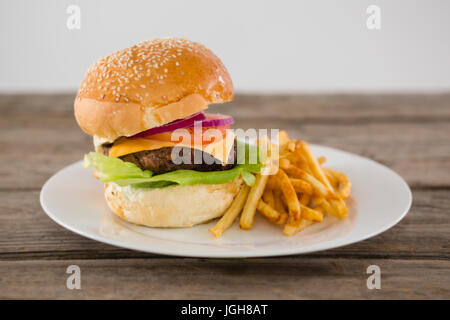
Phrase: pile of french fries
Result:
[299,193]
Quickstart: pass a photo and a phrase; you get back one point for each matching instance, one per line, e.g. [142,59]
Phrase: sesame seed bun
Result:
[173,206]
[149,84]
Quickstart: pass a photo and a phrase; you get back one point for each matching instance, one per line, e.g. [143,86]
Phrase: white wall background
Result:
[268,46]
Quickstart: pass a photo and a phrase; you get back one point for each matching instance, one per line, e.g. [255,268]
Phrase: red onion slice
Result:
[217,120]
[171,126]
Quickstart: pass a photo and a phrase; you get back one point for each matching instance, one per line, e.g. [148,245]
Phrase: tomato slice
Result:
[207,136]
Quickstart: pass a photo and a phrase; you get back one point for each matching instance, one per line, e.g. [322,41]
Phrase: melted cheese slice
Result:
[219,149]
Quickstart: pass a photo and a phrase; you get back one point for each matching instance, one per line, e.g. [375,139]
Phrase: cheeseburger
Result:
[164,161]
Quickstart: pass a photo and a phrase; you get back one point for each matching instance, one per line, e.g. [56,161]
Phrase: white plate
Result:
[380,199]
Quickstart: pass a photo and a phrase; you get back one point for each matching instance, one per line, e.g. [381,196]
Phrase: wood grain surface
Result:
[408,133]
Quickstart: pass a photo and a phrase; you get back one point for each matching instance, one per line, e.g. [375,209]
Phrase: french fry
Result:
[321,210]
[344,186]
[336,207]
[321,160]
[283,140]
[340,208]
[291,146]
[304,199]
[268,197]
[311,214]
[298,173]
[284,163]
[289,194]
[291,229]
[271,151]
[279,205]
[282,219]
[267,210]
[314,165]
[272,183]
[231,214]
[255,193]
[332,179]
[336,202]
[301,186]
[302,161]
[323,203]
[297,159]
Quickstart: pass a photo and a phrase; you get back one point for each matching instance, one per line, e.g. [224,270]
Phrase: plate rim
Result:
[268,252]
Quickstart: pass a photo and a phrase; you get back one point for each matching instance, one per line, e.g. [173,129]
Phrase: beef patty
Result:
[160,160]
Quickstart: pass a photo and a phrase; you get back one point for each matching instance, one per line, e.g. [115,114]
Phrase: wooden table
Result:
[408,133]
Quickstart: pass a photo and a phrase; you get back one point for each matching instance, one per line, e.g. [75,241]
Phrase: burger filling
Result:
[162,156]
[161,161]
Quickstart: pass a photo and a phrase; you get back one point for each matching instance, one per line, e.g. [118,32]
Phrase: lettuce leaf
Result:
[127,173]
[113,169]
[189,177]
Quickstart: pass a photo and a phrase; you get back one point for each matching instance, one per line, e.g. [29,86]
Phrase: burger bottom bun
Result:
[173,206]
